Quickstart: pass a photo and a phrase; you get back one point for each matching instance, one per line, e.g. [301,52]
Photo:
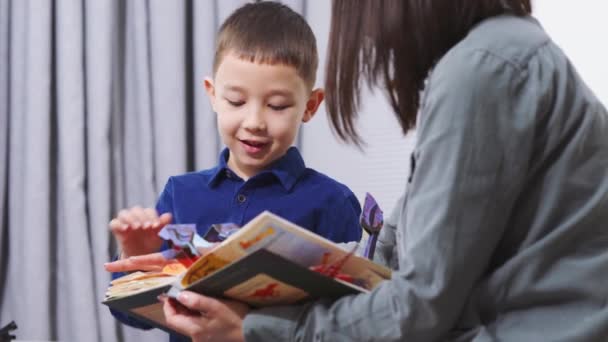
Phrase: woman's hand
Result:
[204,318]
[136,230]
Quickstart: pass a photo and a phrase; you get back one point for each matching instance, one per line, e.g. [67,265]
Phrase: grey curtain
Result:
[100,102]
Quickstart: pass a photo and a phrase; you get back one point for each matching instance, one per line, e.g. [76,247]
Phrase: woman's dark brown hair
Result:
[394,44]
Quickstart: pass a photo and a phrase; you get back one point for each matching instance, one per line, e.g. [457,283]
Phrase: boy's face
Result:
[260,108]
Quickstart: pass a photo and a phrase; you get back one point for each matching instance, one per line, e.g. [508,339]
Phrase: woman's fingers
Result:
[208,319]
[185,321]
[198,302]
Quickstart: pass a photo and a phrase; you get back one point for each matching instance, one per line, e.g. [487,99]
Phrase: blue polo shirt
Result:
[287,188]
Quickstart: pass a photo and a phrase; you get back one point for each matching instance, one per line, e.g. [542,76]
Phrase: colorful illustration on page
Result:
[262,290]
[371,221]
[268,291]
[207,265]
[246,244]
[181,239]
[333,270]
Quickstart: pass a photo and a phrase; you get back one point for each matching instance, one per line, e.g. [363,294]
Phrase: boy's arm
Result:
[163,205]
[339,221]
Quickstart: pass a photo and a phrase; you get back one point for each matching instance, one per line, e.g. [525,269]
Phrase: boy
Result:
[263,74]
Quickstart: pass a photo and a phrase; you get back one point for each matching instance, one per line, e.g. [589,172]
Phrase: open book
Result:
[269,261]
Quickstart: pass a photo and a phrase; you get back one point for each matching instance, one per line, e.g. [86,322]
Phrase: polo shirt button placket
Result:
[241,198]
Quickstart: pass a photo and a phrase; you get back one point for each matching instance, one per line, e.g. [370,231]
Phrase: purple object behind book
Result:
[371,220]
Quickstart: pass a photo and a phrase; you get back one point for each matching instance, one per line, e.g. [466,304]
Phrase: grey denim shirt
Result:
[503,232]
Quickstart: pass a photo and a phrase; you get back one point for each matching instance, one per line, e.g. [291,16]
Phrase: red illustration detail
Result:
[333,270]
[266,292]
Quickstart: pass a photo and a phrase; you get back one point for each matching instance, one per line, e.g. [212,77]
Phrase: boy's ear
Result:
[210,90]
[313,103]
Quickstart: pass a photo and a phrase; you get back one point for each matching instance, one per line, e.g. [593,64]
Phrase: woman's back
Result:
[543,239]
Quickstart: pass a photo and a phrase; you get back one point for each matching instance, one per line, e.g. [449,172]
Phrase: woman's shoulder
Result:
[504,39]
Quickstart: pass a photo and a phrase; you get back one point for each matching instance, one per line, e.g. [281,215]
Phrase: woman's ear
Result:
[210,90]
[313,103]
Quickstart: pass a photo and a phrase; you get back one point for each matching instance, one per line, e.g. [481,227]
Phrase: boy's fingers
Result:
[139,217]
[162,221]
[126,265]
[150,217]
[148,262]
[117,226]
[150,259]
[165,218]
[126,217]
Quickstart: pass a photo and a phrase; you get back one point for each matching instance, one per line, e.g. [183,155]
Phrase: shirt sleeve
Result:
[340,221]
[165,200]
[473,147]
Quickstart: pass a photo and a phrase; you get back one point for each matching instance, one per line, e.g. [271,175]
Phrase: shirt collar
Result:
[286,169]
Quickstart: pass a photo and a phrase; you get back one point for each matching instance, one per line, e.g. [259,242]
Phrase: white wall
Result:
[579,27]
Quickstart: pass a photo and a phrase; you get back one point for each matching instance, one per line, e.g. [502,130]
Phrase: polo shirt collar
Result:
[287,169]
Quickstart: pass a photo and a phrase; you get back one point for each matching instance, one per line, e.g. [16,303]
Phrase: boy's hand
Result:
[136,230]
[148,262]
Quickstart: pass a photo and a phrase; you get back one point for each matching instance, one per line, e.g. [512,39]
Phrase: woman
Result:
[503,232]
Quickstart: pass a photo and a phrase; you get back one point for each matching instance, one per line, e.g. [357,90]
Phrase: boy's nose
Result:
[255,121]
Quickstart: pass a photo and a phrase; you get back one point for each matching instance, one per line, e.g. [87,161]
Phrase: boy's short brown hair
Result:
[271,33]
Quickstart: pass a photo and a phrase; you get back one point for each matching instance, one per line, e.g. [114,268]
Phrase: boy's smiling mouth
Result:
[252,146]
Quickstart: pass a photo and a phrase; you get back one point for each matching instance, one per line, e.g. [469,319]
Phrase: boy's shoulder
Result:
[194,177]
[327,192]
[318,181]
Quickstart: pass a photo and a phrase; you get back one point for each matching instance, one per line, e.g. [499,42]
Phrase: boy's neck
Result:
[244,173]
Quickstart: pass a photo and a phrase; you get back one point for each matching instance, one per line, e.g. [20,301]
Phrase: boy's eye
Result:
[278,108]
[235,103]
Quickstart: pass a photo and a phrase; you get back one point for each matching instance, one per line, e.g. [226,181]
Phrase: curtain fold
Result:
[101,26]
[31,182]
[4,109]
